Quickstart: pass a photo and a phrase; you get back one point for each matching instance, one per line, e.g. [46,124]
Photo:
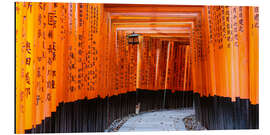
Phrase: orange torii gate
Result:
[73,61]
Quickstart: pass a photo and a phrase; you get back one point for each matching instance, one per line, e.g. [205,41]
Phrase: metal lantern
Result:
[133,39]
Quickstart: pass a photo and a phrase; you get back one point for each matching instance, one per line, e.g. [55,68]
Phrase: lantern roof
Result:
[133,35]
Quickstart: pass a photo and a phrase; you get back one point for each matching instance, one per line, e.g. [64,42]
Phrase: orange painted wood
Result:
[68,51]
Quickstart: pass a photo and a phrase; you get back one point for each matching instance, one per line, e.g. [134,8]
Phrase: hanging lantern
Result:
[133,39]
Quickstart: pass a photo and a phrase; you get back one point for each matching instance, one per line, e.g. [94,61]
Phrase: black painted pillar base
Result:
[215,112]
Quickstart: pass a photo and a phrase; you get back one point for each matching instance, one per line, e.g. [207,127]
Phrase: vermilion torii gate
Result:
[75,71]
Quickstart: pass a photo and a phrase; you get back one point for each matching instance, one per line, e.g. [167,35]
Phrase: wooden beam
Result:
[154,20]
[151,8]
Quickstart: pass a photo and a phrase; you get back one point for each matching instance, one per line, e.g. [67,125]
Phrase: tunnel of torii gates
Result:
[76,72]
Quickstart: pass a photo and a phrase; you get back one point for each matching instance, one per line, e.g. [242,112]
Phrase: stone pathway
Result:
[167,120]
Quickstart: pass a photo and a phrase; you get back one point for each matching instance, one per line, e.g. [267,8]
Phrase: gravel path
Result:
[167,120]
